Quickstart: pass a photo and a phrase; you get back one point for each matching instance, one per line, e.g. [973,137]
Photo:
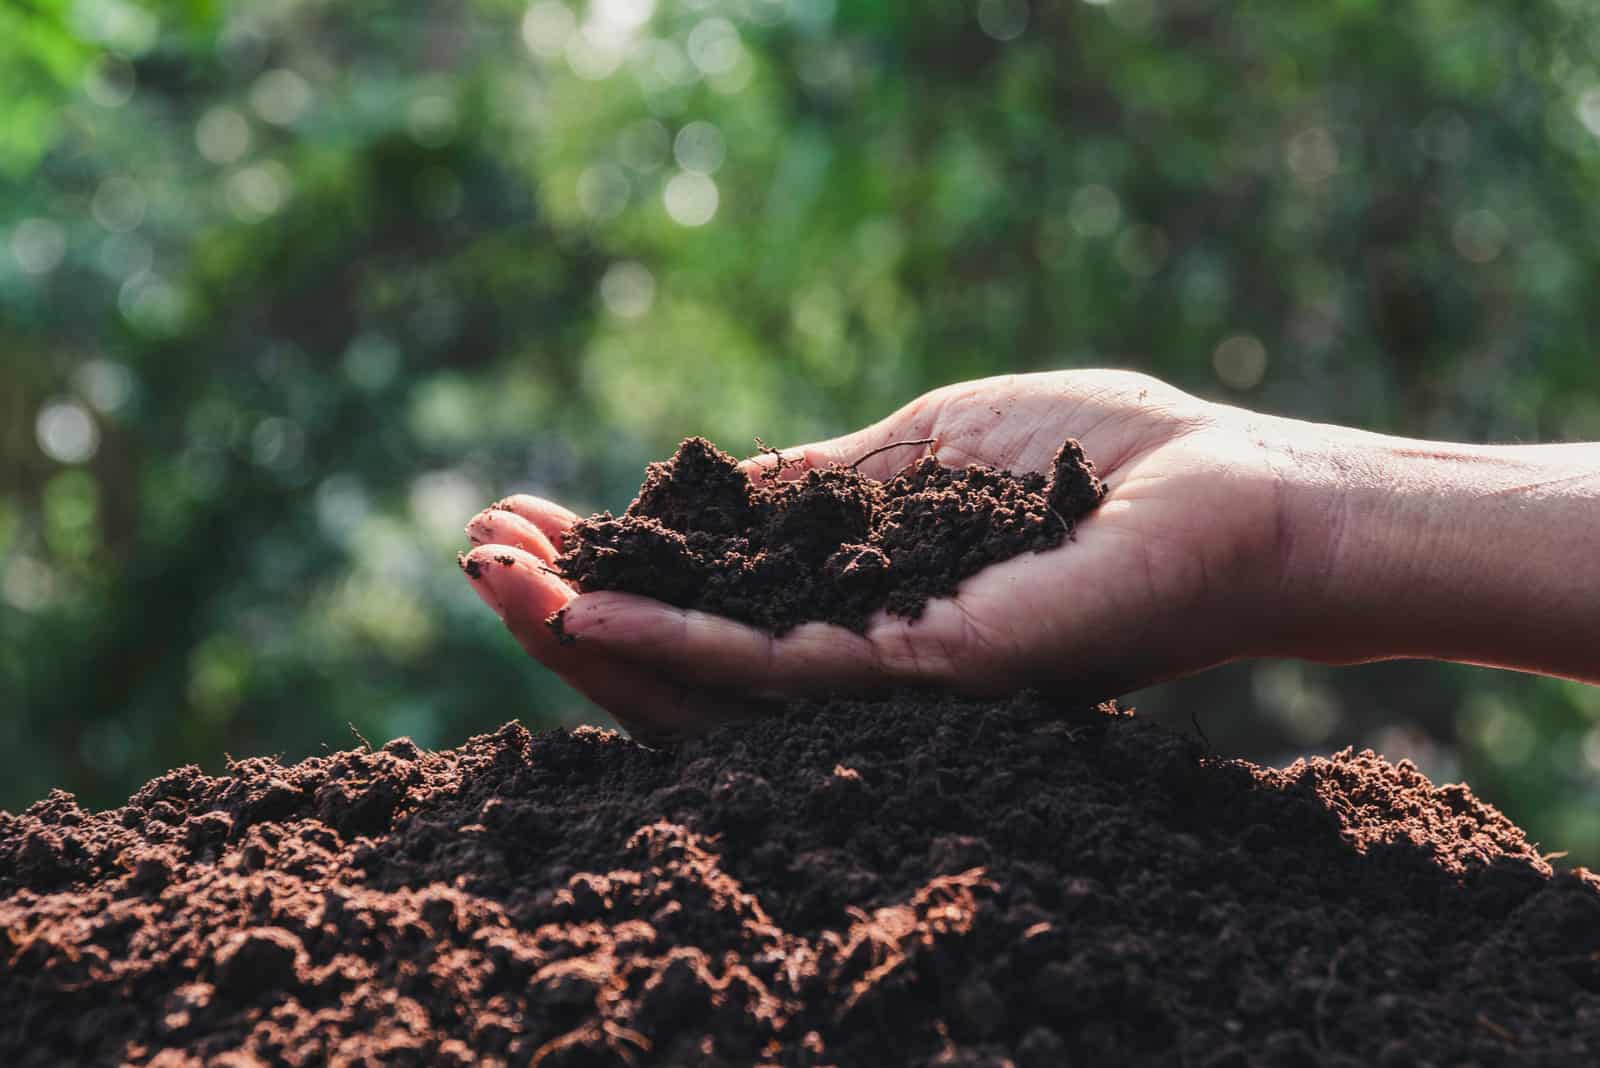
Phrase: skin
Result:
[1226,534]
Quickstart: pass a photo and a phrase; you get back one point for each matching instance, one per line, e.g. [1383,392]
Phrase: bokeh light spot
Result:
[714,46]
[594,56]
[66,432]
[1094,211]
[371,361]
[691,199]
[278,444]
[1312,155]
[342,505]
[1307,713]
[280,96]
[431,120]
[38,245]
[1240,361]
[26,584]
[663,67]
[546,28]
[120,25]
[1589,110]
[624,14]
[1499,730]
[1591,749]
[1004,20]
[110,81]
[222,135]
[152,305]
[442,501]
[105,384]
[118,204]
[258,192]
[699,148]
[628,289]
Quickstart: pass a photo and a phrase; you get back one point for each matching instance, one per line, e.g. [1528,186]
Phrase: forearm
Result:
[1403,548]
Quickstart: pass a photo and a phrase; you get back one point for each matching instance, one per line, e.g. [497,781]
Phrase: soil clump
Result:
[831,545]
[920,880]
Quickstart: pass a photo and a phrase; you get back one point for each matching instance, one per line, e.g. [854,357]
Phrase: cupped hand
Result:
[1175,572]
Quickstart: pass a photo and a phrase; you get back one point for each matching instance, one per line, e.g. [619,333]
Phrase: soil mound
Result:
[832,545]
[916,881]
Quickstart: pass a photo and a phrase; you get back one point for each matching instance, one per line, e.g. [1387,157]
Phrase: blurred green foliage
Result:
[289,288]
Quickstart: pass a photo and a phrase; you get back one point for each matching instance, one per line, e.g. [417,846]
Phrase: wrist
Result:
[1404,548]
[1359,518]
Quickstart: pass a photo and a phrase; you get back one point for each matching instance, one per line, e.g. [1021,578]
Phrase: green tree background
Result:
[289,288]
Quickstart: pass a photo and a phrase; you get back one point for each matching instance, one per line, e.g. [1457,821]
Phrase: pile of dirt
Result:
[916,881]
[832,545]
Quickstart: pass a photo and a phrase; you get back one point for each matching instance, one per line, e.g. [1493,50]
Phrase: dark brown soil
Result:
[919,881]
[832,545]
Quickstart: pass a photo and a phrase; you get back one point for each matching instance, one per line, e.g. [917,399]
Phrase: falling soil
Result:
[916,881]
[832,545]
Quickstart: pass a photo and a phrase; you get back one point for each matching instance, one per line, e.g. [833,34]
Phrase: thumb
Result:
[877,451]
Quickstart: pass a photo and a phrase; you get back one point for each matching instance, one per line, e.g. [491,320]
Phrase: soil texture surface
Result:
[831,545]
[917,881]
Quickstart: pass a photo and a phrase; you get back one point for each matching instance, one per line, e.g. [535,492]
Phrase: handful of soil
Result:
[833,545]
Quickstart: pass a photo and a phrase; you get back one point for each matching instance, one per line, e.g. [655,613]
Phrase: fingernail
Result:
[558,626]
[478,530]
[577,619]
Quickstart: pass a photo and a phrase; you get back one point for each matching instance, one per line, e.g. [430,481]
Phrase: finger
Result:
[793,463]
[499,527]
[519,588]
[522,592]
[552,519]
[813,660]
[879,452]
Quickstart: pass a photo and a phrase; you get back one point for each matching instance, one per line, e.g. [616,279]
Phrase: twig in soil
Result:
[359,736]
[1194,720]
[895,445]
[1497,1030]
[780,465]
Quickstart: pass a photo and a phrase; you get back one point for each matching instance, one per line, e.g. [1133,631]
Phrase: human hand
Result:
[1173,573]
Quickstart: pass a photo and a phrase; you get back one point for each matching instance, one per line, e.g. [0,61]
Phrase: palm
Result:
[1115,609]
